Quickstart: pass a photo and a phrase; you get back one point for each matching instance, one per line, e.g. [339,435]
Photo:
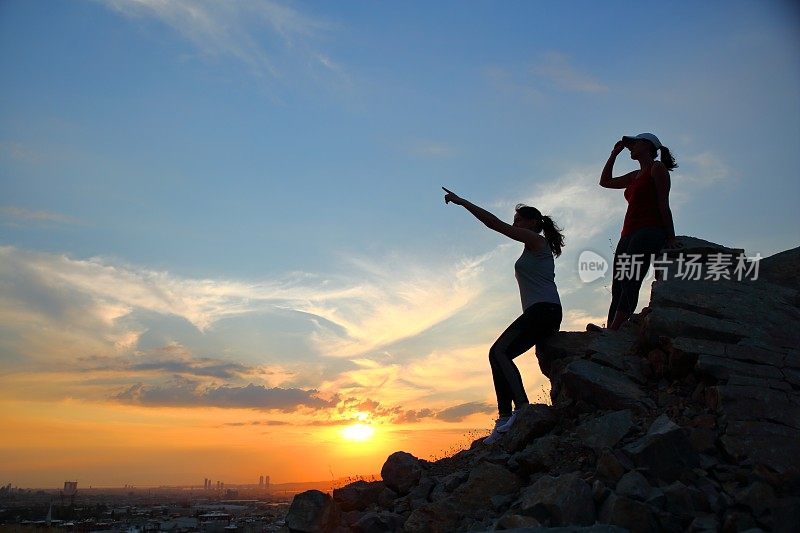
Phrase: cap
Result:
[646,136]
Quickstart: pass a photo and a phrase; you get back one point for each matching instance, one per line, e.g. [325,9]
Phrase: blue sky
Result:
[199,183]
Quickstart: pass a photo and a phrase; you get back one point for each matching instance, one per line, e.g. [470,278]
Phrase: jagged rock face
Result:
[686,419]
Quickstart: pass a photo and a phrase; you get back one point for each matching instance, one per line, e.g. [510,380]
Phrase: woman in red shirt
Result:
[648,225]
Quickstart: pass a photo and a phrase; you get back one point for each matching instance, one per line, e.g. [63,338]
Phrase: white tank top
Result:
[536,275]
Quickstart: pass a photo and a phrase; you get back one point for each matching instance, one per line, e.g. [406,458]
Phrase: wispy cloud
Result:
[705,168]
[17,215]
[557,69]
[17,151]
[182,392]
[253,32]
[578,204]
[429,148]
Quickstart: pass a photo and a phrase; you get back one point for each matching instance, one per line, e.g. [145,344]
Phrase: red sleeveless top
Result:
[642,204]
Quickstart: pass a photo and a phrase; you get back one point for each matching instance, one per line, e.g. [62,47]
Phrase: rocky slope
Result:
[687,419]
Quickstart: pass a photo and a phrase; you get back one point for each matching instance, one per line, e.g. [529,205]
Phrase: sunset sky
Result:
[222,235]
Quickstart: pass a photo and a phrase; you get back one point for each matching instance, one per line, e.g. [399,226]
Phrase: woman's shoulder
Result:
[541,245]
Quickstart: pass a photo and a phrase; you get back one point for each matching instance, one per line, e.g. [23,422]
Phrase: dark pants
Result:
[536,323]
[638,247]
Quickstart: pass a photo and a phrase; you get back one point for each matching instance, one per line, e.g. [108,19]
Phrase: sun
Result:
[358,432]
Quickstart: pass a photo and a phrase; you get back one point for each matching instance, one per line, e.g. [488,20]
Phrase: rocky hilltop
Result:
[687,419]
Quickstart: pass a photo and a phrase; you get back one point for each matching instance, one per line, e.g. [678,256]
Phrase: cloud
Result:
[556,68]
[428,148]
[16,151]
[259,423]
[395,304]
[507,82]
[253,32]
[459,412]
[705,168]
[182,392]
[578,204]
[17,215]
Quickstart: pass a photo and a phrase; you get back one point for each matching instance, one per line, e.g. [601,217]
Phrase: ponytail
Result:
[667,158]
[553,235]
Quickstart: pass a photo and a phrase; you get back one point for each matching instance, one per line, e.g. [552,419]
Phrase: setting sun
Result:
[358,432]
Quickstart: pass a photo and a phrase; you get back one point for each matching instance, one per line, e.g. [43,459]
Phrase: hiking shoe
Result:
[509,422]
[495,434]
[593,327]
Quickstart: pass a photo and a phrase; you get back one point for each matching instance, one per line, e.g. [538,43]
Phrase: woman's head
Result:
[531,218]
[646,146]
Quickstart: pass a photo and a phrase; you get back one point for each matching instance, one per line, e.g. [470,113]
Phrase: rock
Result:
[665,450]
[312,511]
[599,491]
[538,456]
[607,430]
[486,480]
[423,489]
[632,515]
[562,345]
[533,421]
[437,517]
[786,515]
[685,502]
[703,440]
[765,443]
[602,387]
[704,523]
[447,484]
[609,467]
[514,521]
[358,495]
[781,269]
[758,497]
[634,485]
[672,322]
[401,472]
[735,521]
[382,522]
[565,500]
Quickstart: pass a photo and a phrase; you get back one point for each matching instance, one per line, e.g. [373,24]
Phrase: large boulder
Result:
[562,501]
[607,430]
[665,450]
[312,511]
[485,481]
[401,472]
[532,421]
[358,495]
[564,345]
[602,387]
[634,516]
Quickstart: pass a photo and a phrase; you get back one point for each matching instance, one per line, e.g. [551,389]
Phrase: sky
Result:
[224,250]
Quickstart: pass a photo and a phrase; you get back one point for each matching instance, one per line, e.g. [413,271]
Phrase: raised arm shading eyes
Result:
[606,178]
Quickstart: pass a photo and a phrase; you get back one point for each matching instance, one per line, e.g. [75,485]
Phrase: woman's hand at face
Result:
[618,147]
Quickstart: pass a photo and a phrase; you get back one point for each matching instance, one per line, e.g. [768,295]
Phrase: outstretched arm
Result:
[529,237]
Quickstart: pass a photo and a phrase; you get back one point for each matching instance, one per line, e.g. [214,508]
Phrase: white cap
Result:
[646,136]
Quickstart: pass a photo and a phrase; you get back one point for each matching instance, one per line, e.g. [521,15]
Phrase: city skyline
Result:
[223,242]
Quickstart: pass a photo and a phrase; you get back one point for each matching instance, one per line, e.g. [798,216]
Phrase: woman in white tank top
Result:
[541,305]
